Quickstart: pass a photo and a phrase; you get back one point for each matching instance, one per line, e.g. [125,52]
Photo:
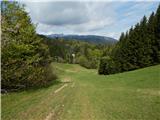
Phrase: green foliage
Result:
[137,48]
[25,58]
[82,60]
[102,66]
[86,54]
[107,66]
[157,36]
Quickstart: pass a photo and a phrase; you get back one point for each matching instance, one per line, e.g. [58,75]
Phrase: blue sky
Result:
[108,18]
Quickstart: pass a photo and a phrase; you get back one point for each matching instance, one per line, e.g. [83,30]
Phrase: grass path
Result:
[59,89]
[84,95]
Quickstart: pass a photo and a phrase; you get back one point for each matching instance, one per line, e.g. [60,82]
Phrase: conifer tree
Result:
[138,48]
[157,36]
[151,36]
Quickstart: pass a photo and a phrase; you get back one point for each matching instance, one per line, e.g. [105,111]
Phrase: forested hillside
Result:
[85,38]
[137,48]
[25,58]
[74,51]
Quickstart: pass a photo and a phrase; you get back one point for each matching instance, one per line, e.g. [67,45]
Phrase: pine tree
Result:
[157,36]
[144,58]
[151,36]
[138,48]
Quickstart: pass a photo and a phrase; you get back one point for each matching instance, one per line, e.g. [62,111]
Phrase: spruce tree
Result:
[157,36]
[151,36]
[137,48]
[144,58]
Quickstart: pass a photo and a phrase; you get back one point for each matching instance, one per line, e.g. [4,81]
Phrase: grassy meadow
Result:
[82,94]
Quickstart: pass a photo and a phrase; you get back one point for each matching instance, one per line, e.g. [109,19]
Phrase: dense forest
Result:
[79,52]
[137,48]
[25,59]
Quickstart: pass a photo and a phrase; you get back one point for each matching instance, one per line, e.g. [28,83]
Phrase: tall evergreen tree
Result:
[143,56]
[151,36]
[157,35]
[138,48]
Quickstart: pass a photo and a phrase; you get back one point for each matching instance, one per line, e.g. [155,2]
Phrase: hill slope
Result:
[87,38]
[84,95]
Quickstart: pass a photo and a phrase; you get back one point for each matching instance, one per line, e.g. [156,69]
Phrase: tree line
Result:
[77,52]
[137,48]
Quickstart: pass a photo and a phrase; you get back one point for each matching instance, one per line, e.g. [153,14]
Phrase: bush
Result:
[83,61]
[102,65]
[107,66]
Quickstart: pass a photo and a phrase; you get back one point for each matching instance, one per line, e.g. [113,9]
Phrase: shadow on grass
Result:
[50,84]
[35,88]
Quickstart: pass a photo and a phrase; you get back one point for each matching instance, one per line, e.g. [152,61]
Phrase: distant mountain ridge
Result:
[86,38]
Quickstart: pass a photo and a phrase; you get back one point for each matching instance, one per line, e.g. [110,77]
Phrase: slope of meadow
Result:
[82,94]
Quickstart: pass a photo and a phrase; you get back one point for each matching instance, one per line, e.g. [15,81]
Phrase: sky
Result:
[107,18]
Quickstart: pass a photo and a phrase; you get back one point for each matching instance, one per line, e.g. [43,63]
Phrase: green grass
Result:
[131,95]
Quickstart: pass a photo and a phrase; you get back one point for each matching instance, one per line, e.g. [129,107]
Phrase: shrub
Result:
[107,66]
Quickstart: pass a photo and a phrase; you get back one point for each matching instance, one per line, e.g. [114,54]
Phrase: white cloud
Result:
[99,18]
[76,16]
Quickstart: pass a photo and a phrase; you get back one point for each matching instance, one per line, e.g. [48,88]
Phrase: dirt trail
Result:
[59,89]
[51,114]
